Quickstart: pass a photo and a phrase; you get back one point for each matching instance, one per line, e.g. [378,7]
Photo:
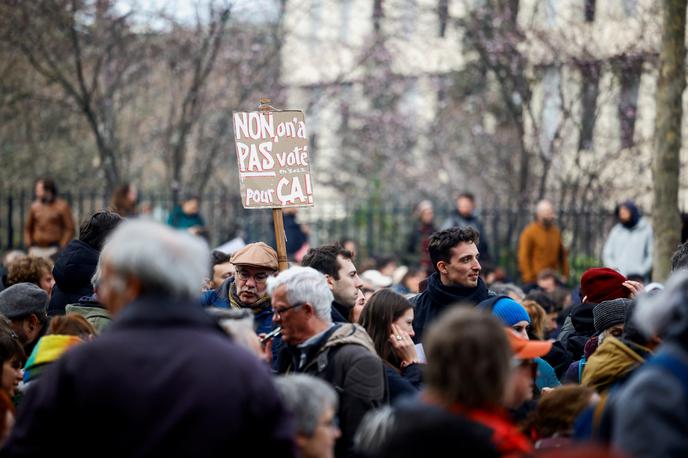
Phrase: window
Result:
[590,76]
[589,10]
[409,16]
[551,109]
[630,70]
[315,19]
[378,14]
[551,12]
[345,20]
[630,7]
[443,14]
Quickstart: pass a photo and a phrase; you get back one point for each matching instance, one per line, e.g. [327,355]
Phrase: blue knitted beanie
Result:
[510,311]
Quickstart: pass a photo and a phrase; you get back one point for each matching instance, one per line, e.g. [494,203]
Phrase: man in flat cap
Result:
[26,306]
[254,263]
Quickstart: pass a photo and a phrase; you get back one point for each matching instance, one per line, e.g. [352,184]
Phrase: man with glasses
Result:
[254,263]
[341,354]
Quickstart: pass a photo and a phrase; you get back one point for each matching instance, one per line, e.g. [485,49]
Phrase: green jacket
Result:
[97,316]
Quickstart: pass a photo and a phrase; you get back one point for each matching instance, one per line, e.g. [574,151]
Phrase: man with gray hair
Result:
[342,354]
[164,380]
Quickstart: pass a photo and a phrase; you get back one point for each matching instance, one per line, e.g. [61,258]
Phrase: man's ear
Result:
[330,281]
[34,322]
[442,267]
[308,308]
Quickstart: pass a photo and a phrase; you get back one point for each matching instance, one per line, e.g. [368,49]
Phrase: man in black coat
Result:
[164,380]
[77,263]
[454,254]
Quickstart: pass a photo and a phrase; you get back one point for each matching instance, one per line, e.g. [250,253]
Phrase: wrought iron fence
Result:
[379,229]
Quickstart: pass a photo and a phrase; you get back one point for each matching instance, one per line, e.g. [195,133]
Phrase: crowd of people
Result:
[138,338]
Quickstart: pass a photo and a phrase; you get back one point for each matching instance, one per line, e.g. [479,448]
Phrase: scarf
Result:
[262,304]
[442,294]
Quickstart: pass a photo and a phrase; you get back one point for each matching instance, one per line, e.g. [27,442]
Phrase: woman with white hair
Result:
[313,403]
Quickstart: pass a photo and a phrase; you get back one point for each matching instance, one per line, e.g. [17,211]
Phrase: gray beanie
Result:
[23,299]
[608,313]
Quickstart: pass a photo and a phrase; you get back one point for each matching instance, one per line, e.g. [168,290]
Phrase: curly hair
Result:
[29,269]
[442,242]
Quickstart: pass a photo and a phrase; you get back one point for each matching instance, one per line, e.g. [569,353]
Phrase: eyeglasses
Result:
[260,277]
[280,311]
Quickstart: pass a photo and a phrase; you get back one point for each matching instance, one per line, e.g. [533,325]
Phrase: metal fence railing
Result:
[379,229]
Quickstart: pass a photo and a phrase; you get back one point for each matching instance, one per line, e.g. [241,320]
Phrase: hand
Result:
[403,345]
[635,287]
[265,352]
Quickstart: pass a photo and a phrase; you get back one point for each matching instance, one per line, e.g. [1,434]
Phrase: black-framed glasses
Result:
[259,277]
[281,310]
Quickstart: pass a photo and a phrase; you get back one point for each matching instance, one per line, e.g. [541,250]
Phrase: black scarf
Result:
[442,294]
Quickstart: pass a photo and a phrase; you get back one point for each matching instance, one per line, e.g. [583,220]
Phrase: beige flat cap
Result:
[257,255]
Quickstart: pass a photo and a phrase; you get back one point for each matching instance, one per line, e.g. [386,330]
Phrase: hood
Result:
[75,266]
[48,349]
[88,312]
[633,209]
[350,333]
[611,362]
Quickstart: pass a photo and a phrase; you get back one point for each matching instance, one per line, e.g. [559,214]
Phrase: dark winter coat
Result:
[163,380]
[73,271]
[438,297]
[296,237]
[404,384]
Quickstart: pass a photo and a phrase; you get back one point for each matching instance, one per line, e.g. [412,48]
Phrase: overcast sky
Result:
[249,10]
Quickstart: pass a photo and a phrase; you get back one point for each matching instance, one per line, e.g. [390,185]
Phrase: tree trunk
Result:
[665,167]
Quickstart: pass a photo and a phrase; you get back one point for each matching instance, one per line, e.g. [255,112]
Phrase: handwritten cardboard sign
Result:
[272,153]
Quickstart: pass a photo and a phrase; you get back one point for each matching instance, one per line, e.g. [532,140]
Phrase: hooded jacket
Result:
[72,272]
[344,356]
[94,312]
[613,361]
[629,249]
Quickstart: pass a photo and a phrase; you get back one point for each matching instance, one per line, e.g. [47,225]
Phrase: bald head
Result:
[544,212]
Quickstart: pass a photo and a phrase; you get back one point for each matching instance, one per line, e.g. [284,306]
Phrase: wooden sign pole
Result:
[277,218]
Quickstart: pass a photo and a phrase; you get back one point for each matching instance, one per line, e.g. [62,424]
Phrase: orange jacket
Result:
[539,248]
[49,224]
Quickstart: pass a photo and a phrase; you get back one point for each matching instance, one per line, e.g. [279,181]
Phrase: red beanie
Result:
[603,284]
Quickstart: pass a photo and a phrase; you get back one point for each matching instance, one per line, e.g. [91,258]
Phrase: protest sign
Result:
[273,158]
